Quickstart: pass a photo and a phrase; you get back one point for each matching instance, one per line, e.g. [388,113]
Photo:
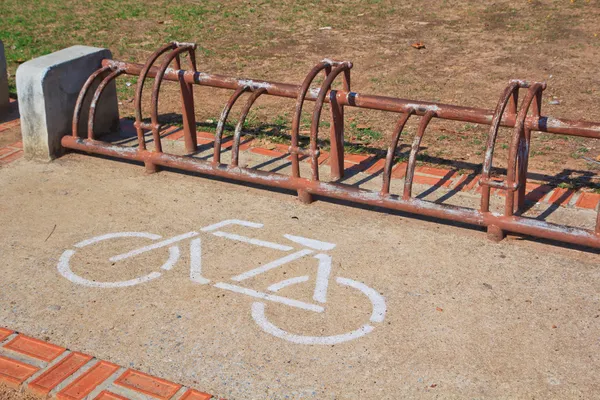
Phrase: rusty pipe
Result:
[237,134]
[99,90]
[82,93]
[412,158]
[474,115]
[391,151]
[516,224]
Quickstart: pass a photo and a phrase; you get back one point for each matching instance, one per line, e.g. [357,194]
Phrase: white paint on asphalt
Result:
[311,243]
[379,307]
[274,264]
[323,273]
[196,262]
[154,246]
[266,296]
[258,314]
[256,242]
[276,287]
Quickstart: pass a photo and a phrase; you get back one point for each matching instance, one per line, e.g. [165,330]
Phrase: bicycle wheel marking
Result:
[258,314]
[100,238]
[154,246]
[65,270]
[379,307]
[64,267]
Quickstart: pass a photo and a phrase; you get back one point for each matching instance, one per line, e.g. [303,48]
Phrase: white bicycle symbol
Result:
[311,247]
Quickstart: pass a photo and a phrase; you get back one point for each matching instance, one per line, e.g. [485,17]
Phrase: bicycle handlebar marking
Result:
[310,246]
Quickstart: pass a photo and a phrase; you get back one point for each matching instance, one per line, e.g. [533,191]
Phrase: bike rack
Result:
[524,119]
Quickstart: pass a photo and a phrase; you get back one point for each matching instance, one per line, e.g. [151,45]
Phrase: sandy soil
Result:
[465,317]
[7,393]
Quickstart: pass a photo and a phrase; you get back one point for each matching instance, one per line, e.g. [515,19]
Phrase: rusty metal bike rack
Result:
[524,118]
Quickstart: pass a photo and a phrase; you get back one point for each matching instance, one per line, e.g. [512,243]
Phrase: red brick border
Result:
[45,369]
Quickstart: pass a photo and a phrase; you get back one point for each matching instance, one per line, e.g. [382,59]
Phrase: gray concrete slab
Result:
[48,88]
[464,317]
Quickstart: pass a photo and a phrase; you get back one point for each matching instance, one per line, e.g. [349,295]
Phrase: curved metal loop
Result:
[314,128]
[82,93]
[511,91]
[99,90]
[323,65]
[235,150]
[140,87]
[412,159]
[389,159]
[221,124]
[519,146]
[156,89]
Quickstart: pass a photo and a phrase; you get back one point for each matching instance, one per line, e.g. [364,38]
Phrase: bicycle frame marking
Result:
[323,275]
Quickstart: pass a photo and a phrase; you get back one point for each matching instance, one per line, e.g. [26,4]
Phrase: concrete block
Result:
[47,88]
[3,79]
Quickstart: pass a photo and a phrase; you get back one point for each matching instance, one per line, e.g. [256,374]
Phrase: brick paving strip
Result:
[47,370]
[369,164]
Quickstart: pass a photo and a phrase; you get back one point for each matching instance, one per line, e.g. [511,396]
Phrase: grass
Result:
[281,40]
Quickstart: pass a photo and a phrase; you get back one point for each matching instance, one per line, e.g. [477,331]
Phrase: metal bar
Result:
[412,158]
[316,117]
[155,92]
[510,92]
[524,154]
[517,138]
[188,115]
[336,131]
[346,98]
[517,224]
[300,97]
[389,159]
[221,124]
[235,149]
[99,90]
[143,73]
[82,93]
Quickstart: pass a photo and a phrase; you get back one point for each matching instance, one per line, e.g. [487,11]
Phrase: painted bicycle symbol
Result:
[313,248]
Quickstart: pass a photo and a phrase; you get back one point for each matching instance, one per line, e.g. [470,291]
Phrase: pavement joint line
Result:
[73,377]
[9,338]
[129,393]
[23,358]
[10,153]
[135,385]
[180,393]
[106,384]
[47,367]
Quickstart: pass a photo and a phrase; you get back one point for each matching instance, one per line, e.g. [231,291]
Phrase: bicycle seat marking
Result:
[312,248]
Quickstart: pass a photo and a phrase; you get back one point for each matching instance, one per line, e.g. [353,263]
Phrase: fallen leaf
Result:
[418,45]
